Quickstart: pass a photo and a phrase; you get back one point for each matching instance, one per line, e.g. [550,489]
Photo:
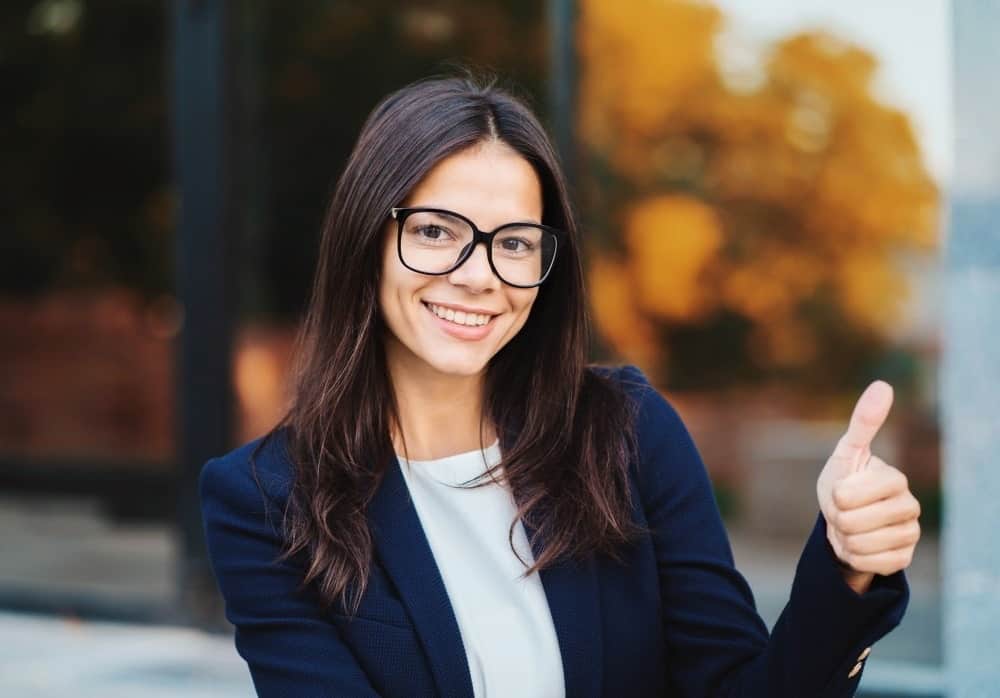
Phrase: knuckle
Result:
[909,509]
[830,516]
[835,519]
[840,495]
[848,523]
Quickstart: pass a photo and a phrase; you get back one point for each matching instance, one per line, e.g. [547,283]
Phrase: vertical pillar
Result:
[971,361]
[562,82]
[202,149]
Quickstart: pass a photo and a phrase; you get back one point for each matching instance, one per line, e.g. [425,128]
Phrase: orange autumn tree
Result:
[743,223]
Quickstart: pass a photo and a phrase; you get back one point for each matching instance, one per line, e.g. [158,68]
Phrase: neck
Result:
[439,413]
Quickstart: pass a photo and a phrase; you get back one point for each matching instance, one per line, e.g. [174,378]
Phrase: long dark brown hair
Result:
[566,432]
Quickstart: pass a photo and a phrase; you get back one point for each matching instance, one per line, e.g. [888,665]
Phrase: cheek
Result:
[391,285]
[394,287]
[522,301]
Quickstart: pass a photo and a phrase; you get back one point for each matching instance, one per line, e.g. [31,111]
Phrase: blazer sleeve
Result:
[290,647]
[717,644]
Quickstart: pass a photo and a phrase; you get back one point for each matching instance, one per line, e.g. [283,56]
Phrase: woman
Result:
[457,505]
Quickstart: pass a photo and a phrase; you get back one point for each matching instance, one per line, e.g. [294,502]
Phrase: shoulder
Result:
[251,477]
[668,468]
[630,379]
[656,419]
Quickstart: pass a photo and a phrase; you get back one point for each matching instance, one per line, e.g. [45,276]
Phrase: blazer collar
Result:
[570,587]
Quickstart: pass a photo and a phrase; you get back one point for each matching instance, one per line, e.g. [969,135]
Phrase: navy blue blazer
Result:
[674,619]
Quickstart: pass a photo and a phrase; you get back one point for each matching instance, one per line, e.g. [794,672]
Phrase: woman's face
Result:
[490,184]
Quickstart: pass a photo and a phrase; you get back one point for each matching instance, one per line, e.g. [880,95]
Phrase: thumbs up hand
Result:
[871,515]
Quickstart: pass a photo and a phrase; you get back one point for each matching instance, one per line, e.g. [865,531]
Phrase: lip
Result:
[460,331]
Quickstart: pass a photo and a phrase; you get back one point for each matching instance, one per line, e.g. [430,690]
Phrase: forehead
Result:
[489,183]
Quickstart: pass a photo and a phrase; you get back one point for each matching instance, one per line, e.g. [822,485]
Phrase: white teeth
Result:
[459,317]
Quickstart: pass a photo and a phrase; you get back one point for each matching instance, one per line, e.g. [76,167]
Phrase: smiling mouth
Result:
[458,317]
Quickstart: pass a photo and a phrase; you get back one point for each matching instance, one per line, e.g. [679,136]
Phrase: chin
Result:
[458,365]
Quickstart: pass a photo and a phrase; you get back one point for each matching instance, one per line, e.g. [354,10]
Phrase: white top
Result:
[505,623]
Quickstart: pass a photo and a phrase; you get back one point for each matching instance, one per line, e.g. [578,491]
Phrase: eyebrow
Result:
[529,219]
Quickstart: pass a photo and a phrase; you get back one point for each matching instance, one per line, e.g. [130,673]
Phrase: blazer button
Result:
[864,655]
[854,671]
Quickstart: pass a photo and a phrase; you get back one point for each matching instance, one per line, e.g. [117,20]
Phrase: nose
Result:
[475,272]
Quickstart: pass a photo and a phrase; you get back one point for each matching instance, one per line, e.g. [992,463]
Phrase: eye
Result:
[432,232]
[516,245]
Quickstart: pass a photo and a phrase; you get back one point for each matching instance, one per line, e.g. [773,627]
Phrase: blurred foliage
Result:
[86,173]
[744,206]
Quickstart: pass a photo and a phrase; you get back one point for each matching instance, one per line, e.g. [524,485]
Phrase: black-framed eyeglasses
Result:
[436,241]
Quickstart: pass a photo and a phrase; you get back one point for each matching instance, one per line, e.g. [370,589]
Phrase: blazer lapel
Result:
[403,549]
[571,588]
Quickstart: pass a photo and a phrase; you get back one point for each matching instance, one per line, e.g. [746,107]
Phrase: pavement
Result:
[51,657]
[58,549]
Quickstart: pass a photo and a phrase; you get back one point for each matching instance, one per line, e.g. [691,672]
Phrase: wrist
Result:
[859,582]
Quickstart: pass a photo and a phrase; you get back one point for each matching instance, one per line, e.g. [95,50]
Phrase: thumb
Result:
[869,415]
